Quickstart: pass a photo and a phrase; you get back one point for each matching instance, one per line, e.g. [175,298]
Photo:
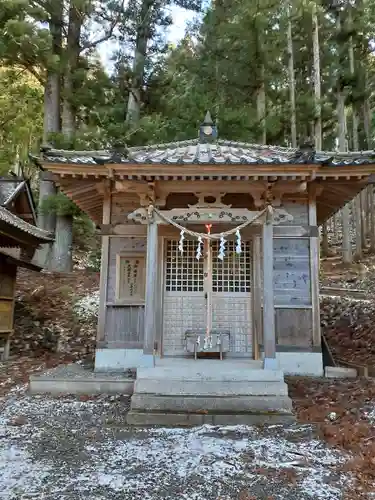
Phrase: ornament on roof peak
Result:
[207,130]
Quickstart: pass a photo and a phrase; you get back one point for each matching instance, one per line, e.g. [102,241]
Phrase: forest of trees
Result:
[270,71]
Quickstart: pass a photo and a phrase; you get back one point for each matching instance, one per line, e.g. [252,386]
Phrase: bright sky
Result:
[175,33]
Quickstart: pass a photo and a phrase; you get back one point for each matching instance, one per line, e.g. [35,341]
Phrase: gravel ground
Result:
[80,448]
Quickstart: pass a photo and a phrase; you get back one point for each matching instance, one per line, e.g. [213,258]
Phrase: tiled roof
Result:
[18,223]
[221,152]
[8,188]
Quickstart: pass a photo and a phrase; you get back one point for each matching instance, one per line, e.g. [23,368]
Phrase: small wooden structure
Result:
[18,242]
[257,272]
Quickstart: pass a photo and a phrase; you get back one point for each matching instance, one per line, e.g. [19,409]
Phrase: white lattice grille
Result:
[183,273]
[233,274]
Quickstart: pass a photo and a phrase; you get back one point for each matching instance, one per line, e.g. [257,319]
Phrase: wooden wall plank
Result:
[294,327]
[125,324]
[291,274]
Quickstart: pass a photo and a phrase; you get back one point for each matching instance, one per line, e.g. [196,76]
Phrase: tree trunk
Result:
[292,86]
[358,227]
[366,113]
[52,87]
[346,236]
[367,122]
[62,248]
[317,84]
[372,218]
[357,204]
[46,221]
[261,107]
[143,34]
[51,126]
[325,242]
[341,120]
[51,105]
[72,57]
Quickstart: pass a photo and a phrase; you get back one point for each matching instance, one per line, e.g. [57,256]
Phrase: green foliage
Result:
[21,115]
[60,205]
[84,232]
[94,259]
[219,65]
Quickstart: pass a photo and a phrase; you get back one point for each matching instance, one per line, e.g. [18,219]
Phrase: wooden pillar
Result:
[314,270]
[269,335]
[257,295]
[151,299]
[104,269]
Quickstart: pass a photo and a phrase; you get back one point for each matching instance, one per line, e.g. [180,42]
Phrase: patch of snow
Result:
[370,415]
[197,464]
[87,307]
[6,381]
[19,473]
[203,454]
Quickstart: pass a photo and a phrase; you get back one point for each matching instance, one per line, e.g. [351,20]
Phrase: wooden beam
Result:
[140,230]
[89,205]
[79,188]
[129,230]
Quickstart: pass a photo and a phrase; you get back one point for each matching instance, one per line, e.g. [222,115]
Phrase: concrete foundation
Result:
[291,363]
[340,372]
[119,360]
[74,379]
[300,363]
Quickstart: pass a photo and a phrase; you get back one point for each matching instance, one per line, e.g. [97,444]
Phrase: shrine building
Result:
[210,248]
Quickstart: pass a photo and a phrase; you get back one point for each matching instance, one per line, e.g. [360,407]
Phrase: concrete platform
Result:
[189,393]
[75,379]
[340,372]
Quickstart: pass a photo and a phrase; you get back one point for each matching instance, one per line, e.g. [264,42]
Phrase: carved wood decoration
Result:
[158,191]
[145,190]
[207,215]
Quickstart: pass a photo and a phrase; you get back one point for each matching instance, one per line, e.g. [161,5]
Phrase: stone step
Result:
[168,387]
[211,404]
[138,418]
[208,372]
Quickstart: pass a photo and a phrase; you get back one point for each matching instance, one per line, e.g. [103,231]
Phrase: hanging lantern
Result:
[238,242]
[181,242]
[199,248]
[222,248]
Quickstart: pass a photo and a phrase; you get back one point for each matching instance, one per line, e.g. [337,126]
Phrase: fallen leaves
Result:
[45,320]
[352,431]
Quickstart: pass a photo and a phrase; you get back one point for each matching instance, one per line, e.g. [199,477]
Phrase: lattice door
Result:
[231,295]
[184,300]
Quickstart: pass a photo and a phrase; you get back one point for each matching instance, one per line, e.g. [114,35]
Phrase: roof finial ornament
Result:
[207,130]
[208,119]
